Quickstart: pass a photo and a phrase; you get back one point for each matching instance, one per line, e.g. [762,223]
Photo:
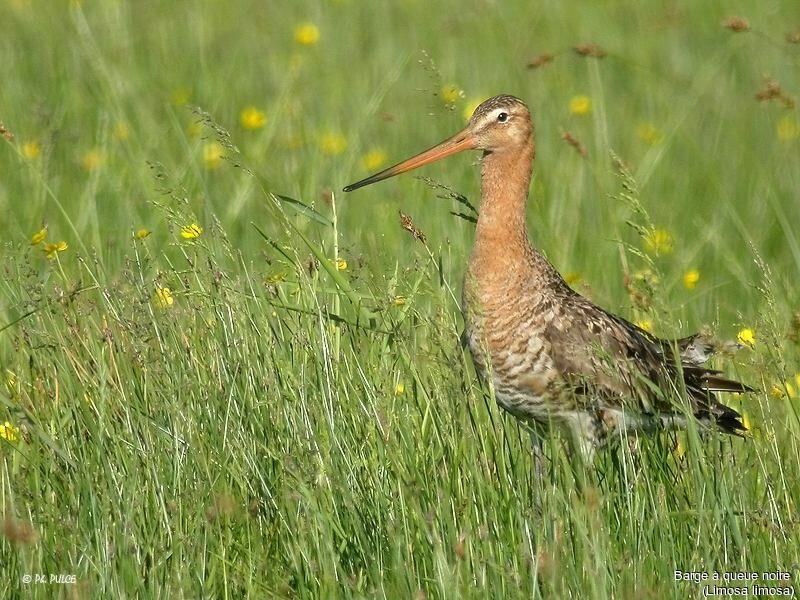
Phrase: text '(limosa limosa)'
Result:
[552,355]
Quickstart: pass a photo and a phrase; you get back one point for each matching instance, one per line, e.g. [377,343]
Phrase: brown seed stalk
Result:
[573,141]
[407,223]
[589,49]
[736,24]
[540,60]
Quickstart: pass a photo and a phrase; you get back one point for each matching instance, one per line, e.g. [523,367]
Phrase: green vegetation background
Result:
[279,407]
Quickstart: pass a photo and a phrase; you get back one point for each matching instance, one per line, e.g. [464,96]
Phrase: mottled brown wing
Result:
[607,359]
[612,361]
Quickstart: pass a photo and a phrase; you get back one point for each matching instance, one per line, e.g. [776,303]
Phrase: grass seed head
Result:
[223,506]
[460,548]
[19,532]
[772,90]
[573,141]
[407,223]
[736,24]
[5,132]
[590,50]
[540,60]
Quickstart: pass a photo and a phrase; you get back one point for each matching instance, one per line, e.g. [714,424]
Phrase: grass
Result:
[295,416]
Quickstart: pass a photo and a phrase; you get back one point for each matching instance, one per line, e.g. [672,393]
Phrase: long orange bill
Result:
[460,141]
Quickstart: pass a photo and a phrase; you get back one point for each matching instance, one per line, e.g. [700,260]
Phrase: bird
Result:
[554,357]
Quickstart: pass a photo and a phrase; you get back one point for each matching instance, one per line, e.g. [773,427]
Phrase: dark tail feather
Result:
[729,420]
[702,383]
[711,382]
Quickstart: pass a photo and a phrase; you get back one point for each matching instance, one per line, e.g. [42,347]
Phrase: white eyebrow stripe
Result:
[492,116]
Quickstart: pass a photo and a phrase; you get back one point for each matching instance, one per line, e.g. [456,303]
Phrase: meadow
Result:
[224,378]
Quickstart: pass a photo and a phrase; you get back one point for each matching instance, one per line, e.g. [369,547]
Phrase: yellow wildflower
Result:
[31,150]
[92,159]
[572,277]
[451,93]
[787,129]
[341,264]
[748,424]
[163,298]
[783,390]
[580,105]
[306,34]
[679,450]
[645,324]
[38,237]
[374,159]
[399,389]
[649,134]
[191,232]
[213,153]
[121,131]
[332,143]
[181,96]
[52,249]
[658,241]
[276,277]
[141,233]
[470,107]
[252,118]
[747,337]
[9,432]
[690,279]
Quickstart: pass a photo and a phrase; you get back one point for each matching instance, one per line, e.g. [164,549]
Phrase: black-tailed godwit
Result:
[552,355]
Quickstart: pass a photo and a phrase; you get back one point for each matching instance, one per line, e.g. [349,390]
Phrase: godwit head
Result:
[500,124]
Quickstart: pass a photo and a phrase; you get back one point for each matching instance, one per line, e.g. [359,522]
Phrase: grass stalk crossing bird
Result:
[552,355]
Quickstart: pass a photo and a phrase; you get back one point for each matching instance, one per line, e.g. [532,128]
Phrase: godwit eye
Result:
[502,117]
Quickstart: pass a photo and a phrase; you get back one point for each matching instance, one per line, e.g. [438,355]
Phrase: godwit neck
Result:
[501,234]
